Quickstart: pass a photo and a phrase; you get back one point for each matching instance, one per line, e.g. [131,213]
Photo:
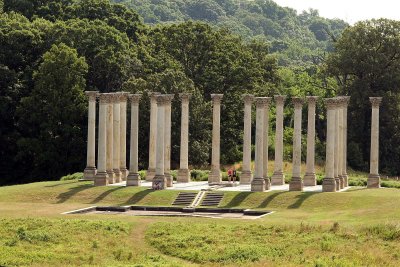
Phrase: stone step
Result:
[212,199]
[184,199]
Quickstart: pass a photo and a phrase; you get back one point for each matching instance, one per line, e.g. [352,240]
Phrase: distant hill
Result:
[297,39]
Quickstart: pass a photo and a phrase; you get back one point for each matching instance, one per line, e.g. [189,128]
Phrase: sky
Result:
[350,11]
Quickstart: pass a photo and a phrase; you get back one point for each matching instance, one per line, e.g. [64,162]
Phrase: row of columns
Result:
[112,139]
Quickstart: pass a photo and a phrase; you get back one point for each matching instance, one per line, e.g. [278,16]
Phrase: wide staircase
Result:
[184,199]
[212,199]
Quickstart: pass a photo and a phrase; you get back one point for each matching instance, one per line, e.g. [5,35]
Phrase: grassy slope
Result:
[48,237]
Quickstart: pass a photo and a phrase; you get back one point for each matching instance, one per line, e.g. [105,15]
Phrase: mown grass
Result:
[280,245]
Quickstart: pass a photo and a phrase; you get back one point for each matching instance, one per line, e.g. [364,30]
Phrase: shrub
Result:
[199,175]
[74,176]
[142,174]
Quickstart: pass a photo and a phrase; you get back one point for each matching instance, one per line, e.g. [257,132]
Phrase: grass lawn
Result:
[353,228]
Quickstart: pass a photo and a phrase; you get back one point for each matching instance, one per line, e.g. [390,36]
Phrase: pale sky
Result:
[348,10]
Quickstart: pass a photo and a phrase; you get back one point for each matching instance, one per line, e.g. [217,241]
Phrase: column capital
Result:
[346,101]
[105,98]
[185,96]
[262,102]
[279,99]
[331,103]
[375,101]
[312,100]
[161,100]
[248,99]
[297,102]
[123,96]
[92,95]
[135,98]
[216,98]
[168,98]
[153,95]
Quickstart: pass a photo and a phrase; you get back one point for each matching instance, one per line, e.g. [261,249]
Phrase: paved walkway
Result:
[197,186]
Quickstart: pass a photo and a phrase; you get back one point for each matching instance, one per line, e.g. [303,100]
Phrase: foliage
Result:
[74,176]
[366,63]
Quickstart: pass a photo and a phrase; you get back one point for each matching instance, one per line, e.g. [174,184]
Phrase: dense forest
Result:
[52,51]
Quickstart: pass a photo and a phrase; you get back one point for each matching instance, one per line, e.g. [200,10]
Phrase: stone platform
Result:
[198,186]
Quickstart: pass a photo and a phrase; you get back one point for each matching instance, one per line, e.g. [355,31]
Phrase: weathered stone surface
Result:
[133,178]
[215,175]
[309,177]
[246,175]
[278,177]
[183,172]
[374,178]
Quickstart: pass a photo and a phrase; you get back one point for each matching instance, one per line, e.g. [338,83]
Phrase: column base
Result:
[374,181]
[117,173]
[337,181]
[278,178]
[111,177]
[89,173]
[150,174]
[341,179]
[101,179]
[246,177]
[345,180]
[159,182]
[258,185]
[183,176]
[296,184]
[310,179]
[329,185]
[214,177]
[267,183]
[169,179]
[124,173]
[133,179]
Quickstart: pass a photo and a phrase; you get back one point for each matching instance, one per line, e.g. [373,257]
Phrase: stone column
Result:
[309,177]
[215,175]
[110,133]
[329,183]
[167,139]
[90,170]
[246,175]
[159,180]
[153,136]
[337,156]
[122,133]
[340,146]
[116,137]
[265,142]
[258,183]
[296,184]
[101,177]
[373,177]
[346,100]
[278,177]
[183,173]
[134,177]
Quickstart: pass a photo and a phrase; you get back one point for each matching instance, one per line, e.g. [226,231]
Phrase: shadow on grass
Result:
[72,191]
[300,199]
[138,197]
[269,199]
[237,200]
[54,185]
[106,193]
[355,189]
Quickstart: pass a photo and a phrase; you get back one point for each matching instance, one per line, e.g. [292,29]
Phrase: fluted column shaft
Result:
[337,156]
[133,177]
[267,103]
[278,178]
[296,184]
[215,175]
[110,133]
[122,133]
[90,170]
[152,137]
[101,177]
[116,137]
[159,180]
[246,175]
[374,178]
[340,147]
[346,100]
[329,183]
[167,139]
[309,177]
[183,173]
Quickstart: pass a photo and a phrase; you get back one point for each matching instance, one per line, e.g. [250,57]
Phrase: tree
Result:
[366,62]
[51,118]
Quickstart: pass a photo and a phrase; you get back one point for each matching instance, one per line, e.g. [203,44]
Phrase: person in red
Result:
[230,174]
